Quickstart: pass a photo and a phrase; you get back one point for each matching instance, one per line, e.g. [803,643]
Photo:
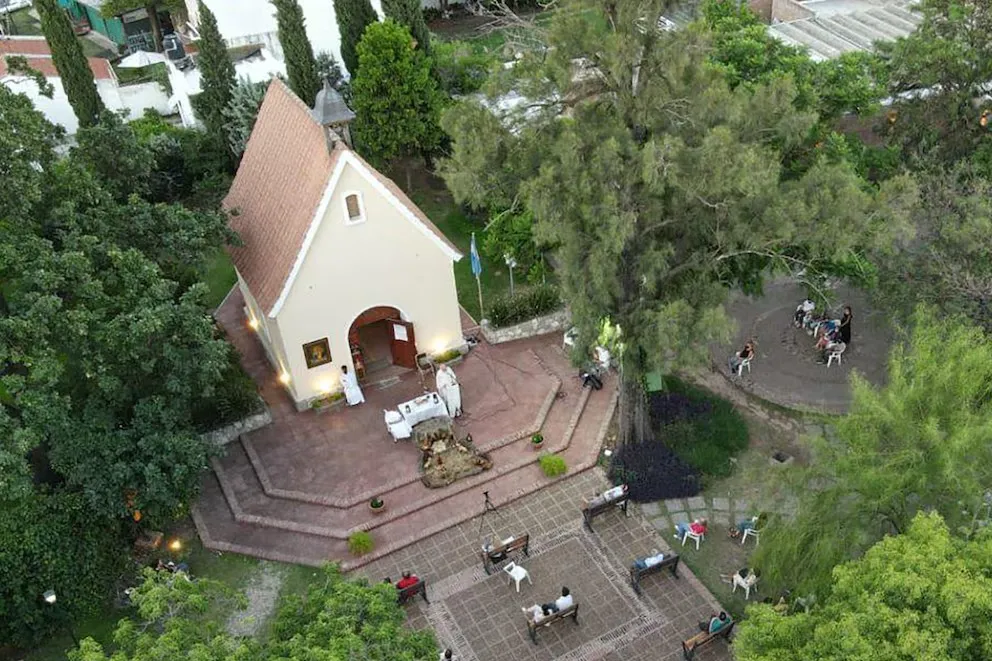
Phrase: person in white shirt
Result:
[564,601]
[536,613]
[446,655]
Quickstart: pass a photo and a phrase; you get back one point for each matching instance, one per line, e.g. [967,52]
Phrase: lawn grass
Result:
[458,227]
[149,74]
[219,277]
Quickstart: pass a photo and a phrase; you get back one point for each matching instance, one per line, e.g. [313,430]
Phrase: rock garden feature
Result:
[444,458]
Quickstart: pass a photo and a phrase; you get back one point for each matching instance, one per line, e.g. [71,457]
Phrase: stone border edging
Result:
[548,323]
[344,503]
[224,435]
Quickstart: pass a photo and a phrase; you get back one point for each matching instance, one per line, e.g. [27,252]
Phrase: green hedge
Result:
[236,398]
[506,310]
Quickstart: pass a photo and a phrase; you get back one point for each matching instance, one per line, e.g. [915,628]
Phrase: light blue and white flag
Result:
[476,262]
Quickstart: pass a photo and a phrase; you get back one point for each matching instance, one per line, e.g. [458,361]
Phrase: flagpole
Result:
[482,311]
[477,271]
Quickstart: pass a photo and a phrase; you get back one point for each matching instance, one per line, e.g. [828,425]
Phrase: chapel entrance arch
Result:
[379,338]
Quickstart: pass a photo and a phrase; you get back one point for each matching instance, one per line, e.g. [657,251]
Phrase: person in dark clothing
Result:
[845,325]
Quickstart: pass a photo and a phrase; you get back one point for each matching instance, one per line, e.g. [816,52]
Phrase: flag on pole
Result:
[476,262]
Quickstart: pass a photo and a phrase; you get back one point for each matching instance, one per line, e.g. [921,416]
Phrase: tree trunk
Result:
[633,423]
[152,10]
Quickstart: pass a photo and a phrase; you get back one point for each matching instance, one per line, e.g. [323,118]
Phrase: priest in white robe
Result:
[450,391]
[349,383]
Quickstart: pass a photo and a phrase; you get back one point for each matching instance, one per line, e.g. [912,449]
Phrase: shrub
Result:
[448,355]
[360,542]
[553,465]
[537,438]
[653,472]
[235,398]
[525,304]
[458,68]
[703,430]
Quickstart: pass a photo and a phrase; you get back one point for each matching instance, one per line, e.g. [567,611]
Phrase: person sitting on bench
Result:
[561,603]
[650,561]
[536,613]
[446,655]
[408,580]
[606,496]
[716,623]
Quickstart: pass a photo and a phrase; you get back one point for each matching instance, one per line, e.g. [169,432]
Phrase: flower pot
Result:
[537,446]
[380,509]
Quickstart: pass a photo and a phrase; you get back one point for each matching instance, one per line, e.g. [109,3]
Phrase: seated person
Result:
[753,523]
[606,496]
[747,353]
[446,655]
[561,603]
[536,613]
[782,607]
[716,623]
[697,527]
[650,561]
[803,310]
[495,556]
[408,580]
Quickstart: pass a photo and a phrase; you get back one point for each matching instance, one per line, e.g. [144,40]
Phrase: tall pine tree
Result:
[296,48]
[216,74]
[67,55]
[353,17]
[410,14]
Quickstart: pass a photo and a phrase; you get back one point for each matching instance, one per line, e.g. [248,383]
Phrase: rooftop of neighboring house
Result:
[35,51]
[829,28]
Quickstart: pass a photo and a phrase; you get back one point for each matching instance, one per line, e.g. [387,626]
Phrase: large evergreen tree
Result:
[69,60]
[353,17]
[662,187]
[397,101]
[216,74]
[410,14]
[296,48]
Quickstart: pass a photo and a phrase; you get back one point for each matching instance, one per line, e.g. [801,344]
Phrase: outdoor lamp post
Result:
[508,258]
[50,599]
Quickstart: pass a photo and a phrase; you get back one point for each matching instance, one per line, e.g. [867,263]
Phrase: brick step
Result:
[543,419]
[251,504]
[220,531]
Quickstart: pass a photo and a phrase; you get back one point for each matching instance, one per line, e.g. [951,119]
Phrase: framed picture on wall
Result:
[317,353]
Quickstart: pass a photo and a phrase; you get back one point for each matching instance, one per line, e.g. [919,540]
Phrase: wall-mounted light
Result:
[253,323]
[284,378]
[440,345]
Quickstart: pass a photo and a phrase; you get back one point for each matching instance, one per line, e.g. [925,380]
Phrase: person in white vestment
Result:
[349,383]
[450,391]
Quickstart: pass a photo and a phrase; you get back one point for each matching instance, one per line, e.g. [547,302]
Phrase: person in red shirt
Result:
[407,580]
[697,527]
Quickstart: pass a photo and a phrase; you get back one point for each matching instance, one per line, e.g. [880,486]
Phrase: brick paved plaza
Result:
[479,616]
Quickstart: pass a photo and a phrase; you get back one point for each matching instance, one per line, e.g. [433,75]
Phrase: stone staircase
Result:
[246,505]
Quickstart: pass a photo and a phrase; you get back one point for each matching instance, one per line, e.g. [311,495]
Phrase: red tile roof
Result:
[39,57]
[283,174]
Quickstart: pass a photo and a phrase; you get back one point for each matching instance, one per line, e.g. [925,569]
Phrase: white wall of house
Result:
[384,261]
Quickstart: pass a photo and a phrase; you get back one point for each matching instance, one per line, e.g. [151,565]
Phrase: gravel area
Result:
[263,593]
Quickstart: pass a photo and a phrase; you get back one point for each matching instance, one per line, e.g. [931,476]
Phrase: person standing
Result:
[845,325]
[447,386]
[349,383]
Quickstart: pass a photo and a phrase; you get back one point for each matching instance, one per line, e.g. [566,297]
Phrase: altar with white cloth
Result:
[425,407]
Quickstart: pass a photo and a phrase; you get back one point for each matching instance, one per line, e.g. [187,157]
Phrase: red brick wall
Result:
[371,316]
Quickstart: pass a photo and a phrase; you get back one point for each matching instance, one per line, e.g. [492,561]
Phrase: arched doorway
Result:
[380,339]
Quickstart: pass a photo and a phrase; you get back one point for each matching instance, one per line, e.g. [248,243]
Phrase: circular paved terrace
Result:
[786,370]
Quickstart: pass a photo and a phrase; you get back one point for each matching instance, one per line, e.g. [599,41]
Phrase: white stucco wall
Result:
[267,330]
[384,261]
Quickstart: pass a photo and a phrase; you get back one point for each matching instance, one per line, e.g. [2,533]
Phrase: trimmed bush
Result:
[235,398]
[506,310]
[703,430]
[360,542]
[553,465]
[448,355]
[653,472]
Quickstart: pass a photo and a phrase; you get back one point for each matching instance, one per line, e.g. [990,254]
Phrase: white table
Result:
[425,407]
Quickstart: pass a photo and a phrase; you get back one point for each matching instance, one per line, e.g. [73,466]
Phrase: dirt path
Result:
[263,593]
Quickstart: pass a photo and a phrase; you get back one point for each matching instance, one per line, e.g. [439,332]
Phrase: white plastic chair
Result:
[744,363]
[835,351]
[753,533]
[691,535]
[517,573]
[746,584]
[398,427]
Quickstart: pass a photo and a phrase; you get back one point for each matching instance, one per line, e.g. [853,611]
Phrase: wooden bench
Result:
[572,612]
[590,512]
[671,563]
[494,558]
[406,594]
[702,638]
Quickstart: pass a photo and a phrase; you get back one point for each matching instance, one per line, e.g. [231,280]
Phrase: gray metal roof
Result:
[330,109]
[840,26]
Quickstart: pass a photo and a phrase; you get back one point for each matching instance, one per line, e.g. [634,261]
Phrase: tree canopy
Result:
[216,74]
[396,99]
[69,60]
[410,14]
[353,16]
[916,595]
[300,63]
[916,444]
[662,187]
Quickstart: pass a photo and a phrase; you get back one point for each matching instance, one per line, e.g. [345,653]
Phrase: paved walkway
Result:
[785,370]
[479,616]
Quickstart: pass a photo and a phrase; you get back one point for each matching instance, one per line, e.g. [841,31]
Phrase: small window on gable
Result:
[354,209]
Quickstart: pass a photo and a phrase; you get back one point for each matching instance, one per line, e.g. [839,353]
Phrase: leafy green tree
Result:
[353,17]
[241,113]
[27,150]
[947,55]
[216,74]
[458,68]
[329,70]
[410,14]
[111,151]
[912,596]
[396,99]
[662,187]
[69,60]
[300,64]
[911,446]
